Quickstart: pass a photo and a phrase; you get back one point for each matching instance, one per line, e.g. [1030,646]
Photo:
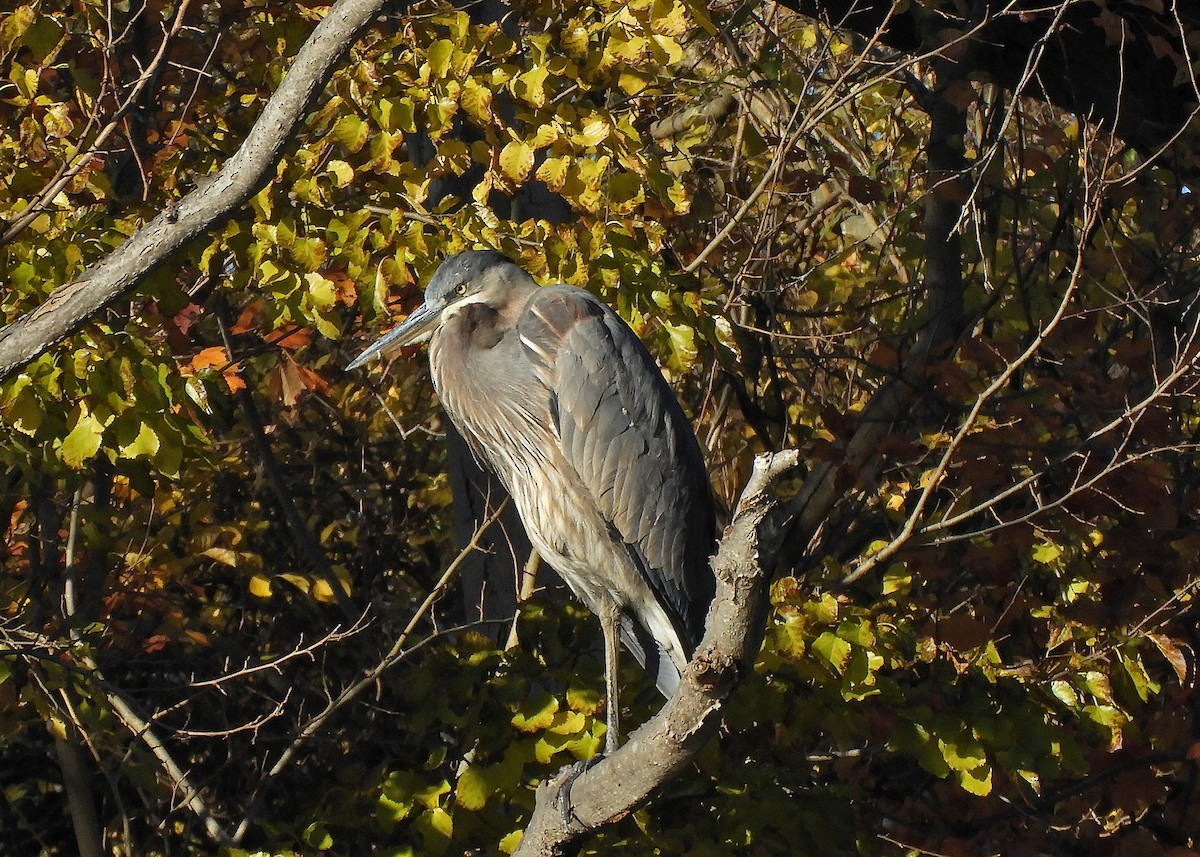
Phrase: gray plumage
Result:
[554,392]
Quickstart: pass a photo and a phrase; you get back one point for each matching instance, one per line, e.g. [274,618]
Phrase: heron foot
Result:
[562,783]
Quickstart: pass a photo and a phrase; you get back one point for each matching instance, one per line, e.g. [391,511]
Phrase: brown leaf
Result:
[962,632]
[311,380]
[1174,655]
[156,643]
[186,317]
[285,384]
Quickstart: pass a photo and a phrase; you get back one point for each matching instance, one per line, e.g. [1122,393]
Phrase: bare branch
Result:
[400,649]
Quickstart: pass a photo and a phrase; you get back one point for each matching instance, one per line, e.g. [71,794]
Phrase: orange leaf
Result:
[292,337]
[250,318]
[346,291]
[213,357]
[311,380]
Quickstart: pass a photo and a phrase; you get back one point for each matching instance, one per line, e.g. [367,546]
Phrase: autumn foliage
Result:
[226,621]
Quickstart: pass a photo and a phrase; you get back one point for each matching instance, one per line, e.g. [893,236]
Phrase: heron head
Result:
[473,276]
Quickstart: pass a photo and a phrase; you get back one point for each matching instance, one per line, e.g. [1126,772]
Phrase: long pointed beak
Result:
[415,328]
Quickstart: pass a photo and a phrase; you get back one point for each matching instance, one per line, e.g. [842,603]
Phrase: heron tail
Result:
[654,659]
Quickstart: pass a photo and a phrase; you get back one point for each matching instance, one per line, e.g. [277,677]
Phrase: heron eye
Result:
[460,289]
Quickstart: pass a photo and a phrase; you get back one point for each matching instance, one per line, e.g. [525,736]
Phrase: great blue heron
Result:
[554,392]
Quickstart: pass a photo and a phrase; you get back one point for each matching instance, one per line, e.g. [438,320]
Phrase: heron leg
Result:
[610,623]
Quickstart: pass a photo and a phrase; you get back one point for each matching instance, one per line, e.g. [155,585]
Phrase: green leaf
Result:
[439,55]
[833,649]
[317,836]
[626,192]
[1143,685]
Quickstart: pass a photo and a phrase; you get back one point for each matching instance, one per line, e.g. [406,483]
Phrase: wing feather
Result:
[622,430]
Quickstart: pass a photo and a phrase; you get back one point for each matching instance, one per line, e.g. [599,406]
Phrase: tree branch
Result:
[71,305]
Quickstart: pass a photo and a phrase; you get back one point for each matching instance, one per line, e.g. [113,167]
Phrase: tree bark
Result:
[72,304]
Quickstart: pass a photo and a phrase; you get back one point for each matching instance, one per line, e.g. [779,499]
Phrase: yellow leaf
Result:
[668,18]
[441,821]
[297,580]
[58,122]
[574,40]
[225,556]
[632,82]
[83,441]
[595,130]
[631,50]
[977,781]
[553,171]
[144,445]
[678,195]
[544,136]
[473,788]
[322,291]
[516,160]
[531,86]
[536,714]
[351,132]
[323,592]
[666,50]
[510,842]
[341,171]
[476,101]
[260,586]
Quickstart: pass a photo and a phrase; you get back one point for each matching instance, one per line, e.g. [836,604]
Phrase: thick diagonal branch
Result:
[118,273]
